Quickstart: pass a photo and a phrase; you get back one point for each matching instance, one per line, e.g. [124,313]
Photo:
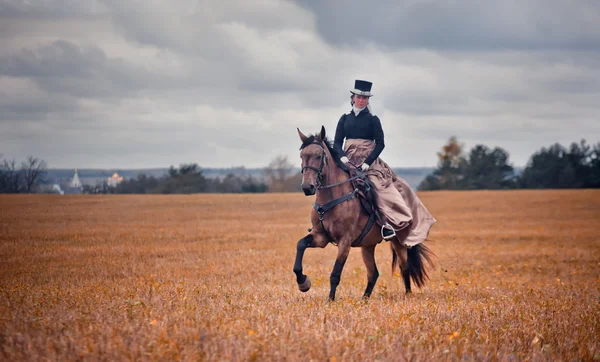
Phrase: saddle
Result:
[366,193]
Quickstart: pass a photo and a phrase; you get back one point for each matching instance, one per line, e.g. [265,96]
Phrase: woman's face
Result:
[360,101]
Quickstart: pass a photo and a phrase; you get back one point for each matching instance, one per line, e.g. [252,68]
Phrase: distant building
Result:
[75,186]
[114,180]
[51,189]
[75,183]
[57,190]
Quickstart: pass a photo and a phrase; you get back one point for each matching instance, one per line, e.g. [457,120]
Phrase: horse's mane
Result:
[334,153]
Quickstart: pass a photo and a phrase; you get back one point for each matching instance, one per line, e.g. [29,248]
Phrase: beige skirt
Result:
[398,203]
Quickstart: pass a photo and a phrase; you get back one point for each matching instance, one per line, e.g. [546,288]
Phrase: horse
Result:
[338,217]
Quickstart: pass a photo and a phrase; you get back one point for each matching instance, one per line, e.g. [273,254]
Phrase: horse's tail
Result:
[419,260]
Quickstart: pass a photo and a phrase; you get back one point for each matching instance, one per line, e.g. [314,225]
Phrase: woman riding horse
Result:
[338,216]
[364,142]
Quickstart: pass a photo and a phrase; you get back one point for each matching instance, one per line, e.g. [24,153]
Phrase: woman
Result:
[364,137]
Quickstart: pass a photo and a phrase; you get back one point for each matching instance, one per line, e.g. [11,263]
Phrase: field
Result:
[209,277]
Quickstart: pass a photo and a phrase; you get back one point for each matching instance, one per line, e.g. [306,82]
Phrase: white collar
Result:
[357,110]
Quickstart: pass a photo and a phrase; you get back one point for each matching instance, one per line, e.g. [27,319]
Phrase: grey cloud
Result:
[59,59]
[50,8]
[583,82]
[461,24]
[193,27]
[218,45]
[24,109]
[523,84]
[79,71]
[131,146]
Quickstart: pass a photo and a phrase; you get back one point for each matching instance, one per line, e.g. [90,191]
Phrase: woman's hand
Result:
[344,160]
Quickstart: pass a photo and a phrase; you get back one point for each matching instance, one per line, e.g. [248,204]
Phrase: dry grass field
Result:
[209,277]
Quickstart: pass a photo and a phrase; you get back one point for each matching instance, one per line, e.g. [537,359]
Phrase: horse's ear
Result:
[303,138]
[322,132]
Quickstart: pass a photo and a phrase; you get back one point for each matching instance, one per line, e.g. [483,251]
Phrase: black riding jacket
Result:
[365,126]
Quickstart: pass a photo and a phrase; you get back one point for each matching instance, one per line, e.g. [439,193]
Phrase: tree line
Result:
[186,179]
[556,166]
[278,176]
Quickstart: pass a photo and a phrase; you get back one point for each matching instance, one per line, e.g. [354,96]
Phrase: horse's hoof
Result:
[304,287]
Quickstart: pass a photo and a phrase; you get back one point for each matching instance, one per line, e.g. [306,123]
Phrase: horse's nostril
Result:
[309,189]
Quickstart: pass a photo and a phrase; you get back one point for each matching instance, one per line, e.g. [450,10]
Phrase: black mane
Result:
[334,153]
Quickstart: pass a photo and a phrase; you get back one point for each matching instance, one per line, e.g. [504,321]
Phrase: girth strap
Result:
[322,209]
[365,231]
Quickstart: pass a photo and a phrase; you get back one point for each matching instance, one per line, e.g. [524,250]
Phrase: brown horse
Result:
[338,217]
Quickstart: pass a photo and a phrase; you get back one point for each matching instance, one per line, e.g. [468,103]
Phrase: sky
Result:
[149,83]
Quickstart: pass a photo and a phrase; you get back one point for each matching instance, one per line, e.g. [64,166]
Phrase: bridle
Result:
[319,171]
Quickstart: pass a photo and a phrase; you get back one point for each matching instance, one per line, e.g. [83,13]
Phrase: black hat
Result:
[362,88]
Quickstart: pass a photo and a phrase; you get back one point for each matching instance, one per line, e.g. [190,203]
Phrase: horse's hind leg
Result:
[336,273]
[368,254]
[402,255]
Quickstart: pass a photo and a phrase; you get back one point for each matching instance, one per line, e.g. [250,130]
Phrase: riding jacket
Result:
[365,126]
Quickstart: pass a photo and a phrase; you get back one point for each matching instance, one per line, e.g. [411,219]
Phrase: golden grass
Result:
[209,277]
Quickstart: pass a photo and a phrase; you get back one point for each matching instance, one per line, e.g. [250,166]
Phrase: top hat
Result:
[362,88]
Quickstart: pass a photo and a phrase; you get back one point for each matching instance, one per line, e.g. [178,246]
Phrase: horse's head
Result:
[314,155]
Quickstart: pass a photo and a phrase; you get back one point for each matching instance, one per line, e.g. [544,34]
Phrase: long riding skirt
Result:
[398,203]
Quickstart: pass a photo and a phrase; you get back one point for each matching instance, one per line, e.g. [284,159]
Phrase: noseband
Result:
[319,170]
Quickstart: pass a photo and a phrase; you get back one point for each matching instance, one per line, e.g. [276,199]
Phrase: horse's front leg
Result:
[309,241]
[343,251]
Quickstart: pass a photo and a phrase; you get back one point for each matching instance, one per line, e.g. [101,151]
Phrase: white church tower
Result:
[75,183]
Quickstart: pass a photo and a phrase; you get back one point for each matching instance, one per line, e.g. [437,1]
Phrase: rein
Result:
[321,187]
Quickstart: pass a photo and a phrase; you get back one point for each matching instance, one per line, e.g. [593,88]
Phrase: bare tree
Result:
[25,179]
[34,170]
[278,173]
[10,177]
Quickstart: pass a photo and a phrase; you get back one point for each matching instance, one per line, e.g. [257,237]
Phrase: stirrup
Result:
[389,227]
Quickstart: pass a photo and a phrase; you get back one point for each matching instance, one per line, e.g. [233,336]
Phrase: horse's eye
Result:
[318,157]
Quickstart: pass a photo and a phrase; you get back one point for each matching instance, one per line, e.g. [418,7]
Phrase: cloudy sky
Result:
[149,83]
